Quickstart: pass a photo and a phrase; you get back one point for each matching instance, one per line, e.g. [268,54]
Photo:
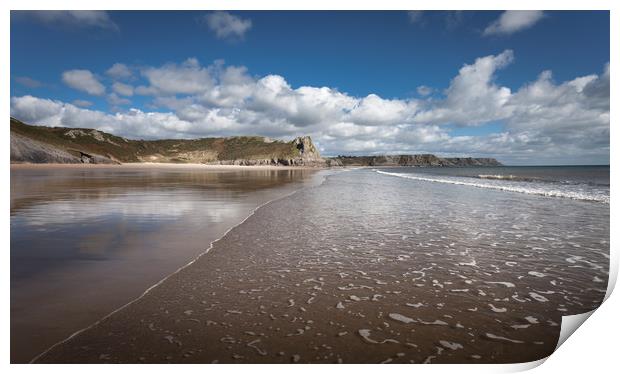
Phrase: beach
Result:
[370,268]
[157,165]
[87,239]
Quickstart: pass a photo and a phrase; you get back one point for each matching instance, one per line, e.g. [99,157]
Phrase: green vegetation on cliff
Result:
[88,145]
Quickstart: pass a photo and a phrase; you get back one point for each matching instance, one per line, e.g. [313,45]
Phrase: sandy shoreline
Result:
[292,284]
[160,165]
[64,299]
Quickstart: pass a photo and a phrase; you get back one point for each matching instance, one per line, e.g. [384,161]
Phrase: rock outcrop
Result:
[422,160]
[28,150]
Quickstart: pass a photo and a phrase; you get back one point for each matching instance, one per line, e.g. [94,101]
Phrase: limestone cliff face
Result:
[309,154]
[304,153]
[26,150]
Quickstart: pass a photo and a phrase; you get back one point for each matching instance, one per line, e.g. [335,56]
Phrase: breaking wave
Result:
[504,183]
[506,177]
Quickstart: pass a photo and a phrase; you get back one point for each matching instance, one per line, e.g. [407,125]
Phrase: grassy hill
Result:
[88,145]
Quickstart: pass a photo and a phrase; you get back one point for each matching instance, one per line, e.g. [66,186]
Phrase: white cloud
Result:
[186,78]
[119,71]
[122,89]
[542,121]
[512,21]
[424,90]
[116,100]
[36,111]
[234,86]
[226,25]
[472,97]
[83,80]
[77,18]
[82,103]
[373,110]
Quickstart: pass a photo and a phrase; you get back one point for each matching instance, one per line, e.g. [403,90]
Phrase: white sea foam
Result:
[531,319]
[537,274]
[497,337]
[435,322]
[520,326]
[510,186]
[450,345]
[597,279]
[417,305]
[506,284]
[497,310]
[538,297]
[400,318]
[365,334]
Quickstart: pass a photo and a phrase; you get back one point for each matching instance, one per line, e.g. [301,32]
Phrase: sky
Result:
[525,87]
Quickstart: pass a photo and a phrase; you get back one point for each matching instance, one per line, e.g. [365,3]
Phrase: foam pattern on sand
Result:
[365,268]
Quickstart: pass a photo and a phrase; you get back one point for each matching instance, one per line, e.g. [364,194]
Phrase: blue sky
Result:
[422,99]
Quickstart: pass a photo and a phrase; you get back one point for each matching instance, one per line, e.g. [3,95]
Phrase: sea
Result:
[589,183]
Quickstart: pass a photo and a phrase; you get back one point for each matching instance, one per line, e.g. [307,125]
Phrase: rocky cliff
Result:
[40,144]
[414,160]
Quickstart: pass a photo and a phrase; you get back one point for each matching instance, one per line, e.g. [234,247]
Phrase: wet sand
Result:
[291,285]
[158,165]
[87,239]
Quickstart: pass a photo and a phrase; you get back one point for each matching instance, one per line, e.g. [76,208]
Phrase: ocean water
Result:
[394,265]
[590,183]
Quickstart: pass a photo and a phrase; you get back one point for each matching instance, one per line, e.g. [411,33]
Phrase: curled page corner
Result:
[570,324]
[524,366]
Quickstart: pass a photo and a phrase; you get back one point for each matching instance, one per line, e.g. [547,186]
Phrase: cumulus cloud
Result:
[116,100]
[71,18]
[170,79]
[472,97]
[83,80]
[512,21]
[119,71]
[542,121]
[373,110]
[122,89]
[82,103]
[226,25]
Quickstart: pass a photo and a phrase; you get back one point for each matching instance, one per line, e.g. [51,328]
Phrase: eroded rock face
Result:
[31,151]
[309,154]
[306,148]
[87,158]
